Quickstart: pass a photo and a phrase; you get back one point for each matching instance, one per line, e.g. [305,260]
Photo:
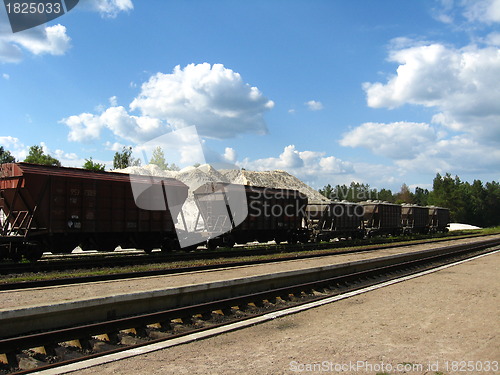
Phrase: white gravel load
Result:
[194,177]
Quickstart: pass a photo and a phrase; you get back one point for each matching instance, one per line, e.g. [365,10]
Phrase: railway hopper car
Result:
[327,221]
[382,218]
[438,219]
[55,209]
[263,214]
[415,219]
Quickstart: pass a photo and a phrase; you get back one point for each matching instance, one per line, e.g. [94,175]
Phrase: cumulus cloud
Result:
[459,154]
[230,154]
[314,105]
[397,140]
[110,8]
[87,126]
[486,11]
[467,12]
[462,84]
[213,98]
[308,165]
[418,147]
[52,40]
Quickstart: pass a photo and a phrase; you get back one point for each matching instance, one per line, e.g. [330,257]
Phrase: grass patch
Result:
[340,246]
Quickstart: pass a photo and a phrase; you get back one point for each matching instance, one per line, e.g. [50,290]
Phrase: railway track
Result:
[139,259]
[59,349]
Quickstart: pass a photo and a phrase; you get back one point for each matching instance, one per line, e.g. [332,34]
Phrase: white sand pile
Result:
[458,226]
[194,177]
[275,179]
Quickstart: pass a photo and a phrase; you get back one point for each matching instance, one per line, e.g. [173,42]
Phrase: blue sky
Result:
[332,91]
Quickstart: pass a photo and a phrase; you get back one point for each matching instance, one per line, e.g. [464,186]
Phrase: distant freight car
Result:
[327,221]
[382,218]
[439,219]
[55,209]
[266,214]
[415,219]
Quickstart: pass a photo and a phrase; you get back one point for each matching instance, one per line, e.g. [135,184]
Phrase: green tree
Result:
[158,158]
[421,196]
[327,191]
[93,166]
[124,159]
[37,156]
[6,156]
[385,195]
[404,195]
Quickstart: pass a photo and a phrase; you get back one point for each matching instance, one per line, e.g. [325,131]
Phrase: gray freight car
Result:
[382,218]
[415,219]
[260,214]
[439,219]
[327,221]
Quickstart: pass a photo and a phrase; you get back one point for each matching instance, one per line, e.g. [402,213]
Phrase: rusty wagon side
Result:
[47,208]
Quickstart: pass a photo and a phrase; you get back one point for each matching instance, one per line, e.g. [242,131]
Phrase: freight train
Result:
[55,209]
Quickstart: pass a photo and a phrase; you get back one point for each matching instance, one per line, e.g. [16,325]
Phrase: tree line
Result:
[122,159]
[475,204]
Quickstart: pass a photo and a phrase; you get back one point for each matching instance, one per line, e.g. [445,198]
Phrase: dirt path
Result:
[424,324]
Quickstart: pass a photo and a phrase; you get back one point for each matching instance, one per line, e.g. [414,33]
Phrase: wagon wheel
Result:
[229,241]
[211,244]
[33,253]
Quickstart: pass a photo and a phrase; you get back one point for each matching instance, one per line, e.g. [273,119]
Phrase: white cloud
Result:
[111,8]
[5,76]
[397,140]
[493,39]
[467,12]
[87,127]
[230,154]
[15,146]
[213,98]
[310,166]
[486,11]
[459,154]
[462,84]
[41,40]
[418,147]
[115,146]
[52,40]
[113,101]
[313,105]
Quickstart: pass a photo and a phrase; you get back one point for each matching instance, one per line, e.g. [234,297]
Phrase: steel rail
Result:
[347,282]
[202,256]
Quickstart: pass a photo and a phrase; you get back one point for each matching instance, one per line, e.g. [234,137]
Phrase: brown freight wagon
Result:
[415,219]
[327,221]
[439,219]
[47,208]
[259,214]
[382,218]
